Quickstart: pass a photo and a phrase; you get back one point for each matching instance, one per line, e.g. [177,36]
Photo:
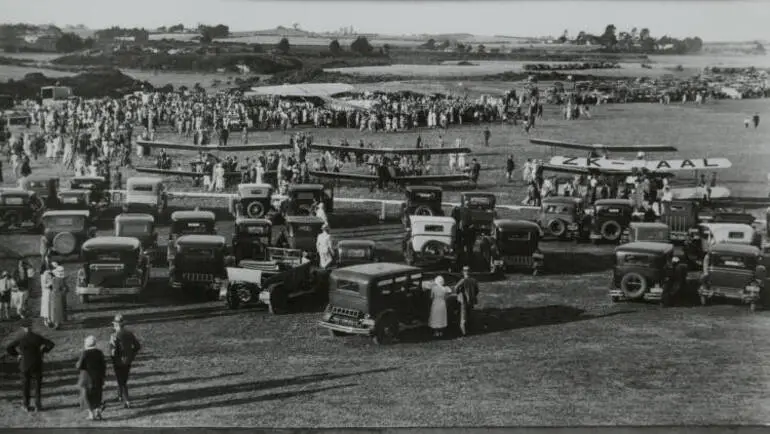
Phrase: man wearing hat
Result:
[123,348]
[324,247]
[467,290]
[29,348]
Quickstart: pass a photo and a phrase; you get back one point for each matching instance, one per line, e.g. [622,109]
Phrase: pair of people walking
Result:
[467,290]
[53,302]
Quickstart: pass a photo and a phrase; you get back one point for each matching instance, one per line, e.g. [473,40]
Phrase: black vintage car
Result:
[355,252]
[189,223]
[647,270]
[141,227]
[20,209]
[112,266]
[421,200]
[303,199]
[43,185]
[251,238]
[562,217]
[199,265]
[64,232]
[736,272]
[609,218]
[513,244]
[98,186]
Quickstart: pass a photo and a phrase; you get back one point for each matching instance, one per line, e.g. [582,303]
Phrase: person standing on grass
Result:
[487,135]
[124,346]
[57,313]
[325,247]
[438,308]
[6,287]
[467,290]
[29,348]
[509,167]
[92,368]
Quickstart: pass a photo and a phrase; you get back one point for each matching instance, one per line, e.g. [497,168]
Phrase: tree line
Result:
[637,40]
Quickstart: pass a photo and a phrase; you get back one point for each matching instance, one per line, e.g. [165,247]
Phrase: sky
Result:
[715,20]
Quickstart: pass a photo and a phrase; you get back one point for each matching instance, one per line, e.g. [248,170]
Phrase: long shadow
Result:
[495,320]
[228,403]
[178,396]
[162,317]
[71,378]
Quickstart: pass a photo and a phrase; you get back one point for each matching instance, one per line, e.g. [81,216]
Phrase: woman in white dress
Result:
[219,178]
[438,310]
[46,284]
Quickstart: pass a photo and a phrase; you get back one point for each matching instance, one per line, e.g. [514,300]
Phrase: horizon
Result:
[679,19]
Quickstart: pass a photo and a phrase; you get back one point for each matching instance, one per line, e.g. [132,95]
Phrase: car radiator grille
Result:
[519,260]
[197,277]
[349,313]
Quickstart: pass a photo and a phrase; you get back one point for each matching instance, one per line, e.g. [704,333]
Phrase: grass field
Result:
[550,350]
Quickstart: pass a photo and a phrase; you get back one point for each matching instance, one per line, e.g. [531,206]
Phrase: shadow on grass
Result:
[165,316]
[148,404]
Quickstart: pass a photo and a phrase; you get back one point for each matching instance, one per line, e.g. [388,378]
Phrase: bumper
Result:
[653,294]
[346,329]
[99,290]
[678,236]
[744,297]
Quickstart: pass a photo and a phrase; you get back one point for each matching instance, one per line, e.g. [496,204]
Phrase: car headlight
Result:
[753,288]
[537,255]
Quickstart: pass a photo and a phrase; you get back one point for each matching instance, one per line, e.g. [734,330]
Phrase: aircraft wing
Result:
[600,147]
[742,202]
[214,148]
[400,151]
[428,179]
[342,175]
[605,165]
[183,173]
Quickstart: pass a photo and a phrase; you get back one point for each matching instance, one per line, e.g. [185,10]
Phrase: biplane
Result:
[398,180]
[214,148]
[593,149]
[389,151]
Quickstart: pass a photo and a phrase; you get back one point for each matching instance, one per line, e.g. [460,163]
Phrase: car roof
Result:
[144,180]
[306,219]
[432,188]
[66,212]
[610,202]
[201,239]
[246,220]
[655,225]
[193,215]
[739,249]
[88,178]
[134,217]
[374,269]
[645,247]
[122,243]
[431,219]
[41,177]
[16,192]
[356,243]
[508,224]
[306,187]
[728,226]
[561,199]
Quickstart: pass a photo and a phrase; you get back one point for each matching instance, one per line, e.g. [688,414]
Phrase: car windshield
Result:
[254,230]
[198,253]
[652,234]
[557,209]
[354,252]
[610,211]
[479,201]
[65,223]
[733,261]
[515,236]
[304,195]
[142,188]
[302,228]
[424,196]
[637,259]
[134,229]
[72,199]
[103,256]
[347,285]
[193,227]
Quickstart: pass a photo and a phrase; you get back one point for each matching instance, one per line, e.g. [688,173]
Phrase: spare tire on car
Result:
[611,230]
[64,243]
[634,286]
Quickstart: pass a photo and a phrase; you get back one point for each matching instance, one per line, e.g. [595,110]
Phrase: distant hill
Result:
[281,31]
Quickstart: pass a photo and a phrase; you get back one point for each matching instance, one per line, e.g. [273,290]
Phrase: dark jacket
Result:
[31,347]
[124,346]
[469,287]
[92,368]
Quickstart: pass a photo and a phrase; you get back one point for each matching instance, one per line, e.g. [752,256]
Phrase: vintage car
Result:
[97,185]
[475,213]
[189,223]
[646,231]
[20,209]
[251,238]
[301,232]
[562,217]
[381,300]
[355,252]
[734,271]
[141,227]
[79,200]
[646,270]
[302,199]
[43,185]
[681,216]
[608,219]
[253,201]
[707,235]
[199,264]
[421,200]
[146,195]
[431,240]
[64,232]
[513,244]
[112,266]
[283,276]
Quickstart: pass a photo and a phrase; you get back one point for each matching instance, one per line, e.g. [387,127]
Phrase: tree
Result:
[386,49]
[361,45]
[443,45]
[209,33]
[295,26]
[564,37]
[634,34]
[608,38]
[283,46]
[481,49]
[69,42]
[468,48]
[176,28]
[334,47]
[430,45]
[644,34]
[581,38]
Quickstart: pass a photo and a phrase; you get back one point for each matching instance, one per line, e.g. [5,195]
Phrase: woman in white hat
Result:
[438,311]
[46,286]
[57,311]
[93,368]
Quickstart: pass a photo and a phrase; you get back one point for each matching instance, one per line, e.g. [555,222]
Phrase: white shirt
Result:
[325,249]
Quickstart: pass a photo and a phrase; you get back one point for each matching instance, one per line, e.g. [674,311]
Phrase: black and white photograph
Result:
[382,215]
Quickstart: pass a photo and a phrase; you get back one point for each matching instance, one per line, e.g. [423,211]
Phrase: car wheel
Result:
[611,230]
[557,227]
[385,331]
[633,285]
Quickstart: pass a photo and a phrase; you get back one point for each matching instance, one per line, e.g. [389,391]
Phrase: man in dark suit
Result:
[124,346]
[29,348]
[468,289]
